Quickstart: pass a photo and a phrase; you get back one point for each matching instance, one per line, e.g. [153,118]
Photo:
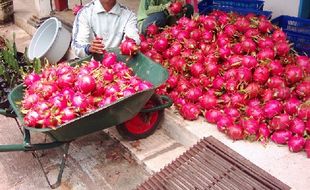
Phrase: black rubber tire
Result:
[126,134]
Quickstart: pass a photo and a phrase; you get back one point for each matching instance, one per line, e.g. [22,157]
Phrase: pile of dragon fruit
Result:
[62,93]
[239,72]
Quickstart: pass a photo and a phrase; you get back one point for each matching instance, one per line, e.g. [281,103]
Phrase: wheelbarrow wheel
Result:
[143,124]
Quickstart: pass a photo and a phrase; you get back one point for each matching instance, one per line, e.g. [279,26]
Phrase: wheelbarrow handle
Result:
[29,147]
[167,103]
[7,113]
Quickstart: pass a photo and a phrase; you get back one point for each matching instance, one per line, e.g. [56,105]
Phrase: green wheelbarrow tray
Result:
[116,113]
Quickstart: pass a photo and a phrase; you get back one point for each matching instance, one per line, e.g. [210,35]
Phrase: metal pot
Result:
[51,41]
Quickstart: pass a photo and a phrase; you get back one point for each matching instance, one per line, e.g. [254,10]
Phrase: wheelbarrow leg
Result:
[19,126]
[41,153]
[61,168]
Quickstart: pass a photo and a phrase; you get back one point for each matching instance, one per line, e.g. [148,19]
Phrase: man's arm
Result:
[131,29]
[81,35]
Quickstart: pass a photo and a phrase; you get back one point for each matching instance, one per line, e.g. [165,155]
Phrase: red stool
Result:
[61,5]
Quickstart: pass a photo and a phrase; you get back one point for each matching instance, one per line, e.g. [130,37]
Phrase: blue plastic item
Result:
[202,5]
[301,42]
[240,11]
[293,24]
[248,4]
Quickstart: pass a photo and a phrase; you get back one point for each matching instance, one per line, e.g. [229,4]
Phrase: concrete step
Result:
[22,38]
[23,11]
[154,152]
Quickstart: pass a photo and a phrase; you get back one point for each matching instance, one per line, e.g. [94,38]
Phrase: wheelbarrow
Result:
[136,116]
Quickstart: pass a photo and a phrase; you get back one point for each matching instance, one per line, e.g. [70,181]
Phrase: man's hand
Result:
[97,46]
[168,8]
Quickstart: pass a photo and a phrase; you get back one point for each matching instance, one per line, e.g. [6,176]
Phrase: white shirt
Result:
[112,26]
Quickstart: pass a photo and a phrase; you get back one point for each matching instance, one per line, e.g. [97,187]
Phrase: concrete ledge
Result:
[176,129]
[21,21]
[23,11]
[154,152]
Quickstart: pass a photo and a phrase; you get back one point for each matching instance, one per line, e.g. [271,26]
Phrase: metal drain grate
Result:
[211,165]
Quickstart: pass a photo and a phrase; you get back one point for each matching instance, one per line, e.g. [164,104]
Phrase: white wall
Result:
[71,3]
[282,7]
[43,8]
